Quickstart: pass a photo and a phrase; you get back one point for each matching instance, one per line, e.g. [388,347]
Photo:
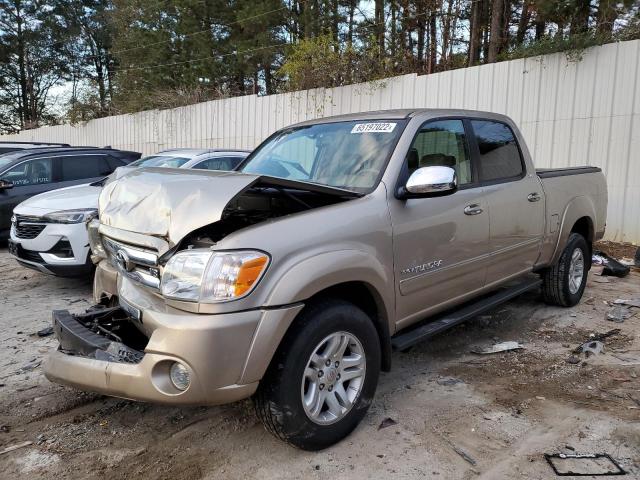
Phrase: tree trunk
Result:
[474,38]
[496,30]
[580,21]
[422,27]
[433,42]
[352,9]
[523,23]
[379,15]
[606,17]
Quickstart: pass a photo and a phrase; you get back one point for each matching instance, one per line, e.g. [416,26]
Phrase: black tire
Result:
[278,400]
[555,279]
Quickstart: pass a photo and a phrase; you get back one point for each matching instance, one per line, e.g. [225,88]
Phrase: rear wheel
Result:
[323,378]
[563,284]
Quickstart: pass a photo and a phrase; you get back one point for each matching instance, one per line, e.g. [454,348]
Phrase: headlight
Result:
[71,216]
[206,276]
[95,242]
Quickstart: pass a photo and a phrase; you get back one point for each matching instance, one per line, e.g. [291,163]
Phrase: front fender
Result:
[319,272]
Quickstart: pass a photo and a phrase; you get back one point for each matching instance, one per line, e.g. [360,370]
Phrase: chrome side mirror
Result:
[430,181]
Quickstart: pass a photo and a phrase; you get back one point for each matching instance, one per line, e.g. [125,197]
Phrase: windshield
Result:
[8,158]
[160,161]
[347,155]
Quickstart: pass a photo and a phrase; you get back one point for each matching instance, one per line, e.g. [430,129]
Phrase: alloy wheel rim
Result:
[576,271]
[333,378]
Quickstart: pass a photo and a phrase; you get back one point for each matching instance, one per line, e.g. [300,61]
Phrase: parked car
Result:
[55,238]
[26,173]
[6,147]
[335,242]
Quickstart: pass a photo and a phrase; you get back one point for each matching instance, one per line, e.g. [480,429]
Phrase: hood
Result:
[168,202]
[69,198]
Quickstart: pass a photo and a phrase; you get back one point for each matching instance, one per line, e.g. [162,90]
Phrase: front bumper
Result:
[226,355]
[41,252]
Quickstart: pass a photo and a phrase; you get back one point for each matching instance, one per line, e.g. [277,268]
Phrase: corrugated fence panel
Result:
[571,112]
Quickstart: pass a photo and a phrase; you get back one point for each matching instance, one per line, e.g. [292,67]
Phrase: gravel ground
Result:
[447,413]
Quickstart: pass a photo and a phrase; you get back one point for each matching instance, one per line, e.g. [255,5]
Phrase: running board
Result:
[404,340]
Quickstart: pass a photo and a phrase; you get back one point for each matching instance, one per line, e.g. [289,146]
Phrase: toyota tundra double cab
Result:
[337,241]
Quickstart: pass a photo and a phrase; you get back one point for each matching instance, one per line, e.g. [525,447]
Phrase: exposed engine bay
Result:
[266,199]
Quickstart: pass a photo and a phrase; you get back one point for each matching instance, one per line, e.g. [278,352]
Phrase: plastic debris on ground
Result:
[592,348]
[498,347]
[610,265]
[634,302]
[619,314]
[387,422]
[591,464]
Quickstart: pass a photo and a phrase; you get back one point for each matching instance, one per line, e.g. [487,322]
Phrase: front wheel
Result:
[563,284]
[323,377]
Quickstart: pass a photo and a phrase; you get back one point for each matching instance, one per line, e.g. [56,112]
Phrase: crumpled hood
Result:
[69,198]
[168,202]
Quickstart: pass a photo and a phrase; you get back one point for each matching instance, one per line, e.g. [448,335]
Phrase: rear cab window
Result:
[500,158]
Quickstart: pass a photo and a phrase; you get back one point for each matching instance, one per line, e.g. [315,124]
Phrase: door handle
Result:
[473,209]
[533,197]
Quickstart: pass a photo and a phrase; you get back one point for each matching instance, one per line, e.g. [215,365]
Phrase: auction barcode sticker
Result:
[373,127]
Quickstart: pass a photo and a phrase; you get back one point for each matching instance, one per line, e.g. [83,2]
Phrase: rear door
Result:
[82,168]
[515,198]
[440,244]
[29,178]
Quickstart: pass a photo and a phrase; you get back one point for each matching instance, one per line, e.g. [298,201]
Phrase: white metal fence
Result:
[570,112]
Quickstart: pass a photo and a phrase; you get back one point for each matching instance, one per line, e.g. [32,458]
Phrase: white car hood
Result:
[69,198]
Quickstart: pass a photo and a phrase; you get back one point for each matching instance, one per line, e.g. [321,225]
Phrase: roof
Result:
[399,114]
[11,158]
[50,144]
[194,152]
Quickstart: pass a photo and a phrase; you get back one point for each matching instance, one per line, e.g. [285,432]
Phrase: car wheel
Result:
[323,378]
[563,284]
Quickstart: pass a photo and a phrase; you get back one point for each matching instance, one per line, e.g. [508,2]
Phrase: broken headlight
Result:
[95,242]
[200,275]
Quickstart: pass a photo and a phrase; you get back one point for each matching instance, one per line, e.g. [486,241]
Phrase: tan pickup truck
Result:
[338,240]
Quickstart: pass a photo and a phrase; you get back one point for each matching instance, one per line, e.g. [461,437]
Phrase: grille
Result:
[29,255]
[140,265]
[28,227]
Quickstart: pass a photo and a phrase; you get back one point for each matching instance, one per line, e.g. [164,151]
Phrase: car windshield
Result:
[347,155]
[160,161]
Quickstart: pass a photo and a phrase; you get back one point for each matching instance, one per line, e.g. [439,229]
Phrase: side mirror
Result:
[5,184]
[430,182]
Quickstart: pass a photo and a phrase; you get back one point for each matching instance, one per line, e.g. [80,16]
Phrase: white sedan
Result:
[48,231]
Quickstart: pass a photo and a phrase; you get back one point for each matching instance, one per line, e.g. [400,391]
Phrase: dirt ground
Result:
[454,414]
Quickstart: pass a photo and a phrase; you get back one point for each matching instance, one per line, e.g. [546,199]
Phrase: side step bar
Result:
[406,339]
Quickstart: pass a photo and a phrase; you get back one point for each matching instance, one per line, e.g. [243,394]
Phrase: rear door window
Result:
[78,167]
[219,163]
[32,172]
[500,157]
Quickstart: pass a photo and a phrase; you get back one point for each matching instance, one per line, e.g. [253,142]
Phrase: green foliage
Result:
[320,62]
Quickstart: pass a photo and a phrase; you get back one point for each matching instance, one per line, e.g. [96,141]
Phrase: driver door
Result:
[29,178]
[440,243]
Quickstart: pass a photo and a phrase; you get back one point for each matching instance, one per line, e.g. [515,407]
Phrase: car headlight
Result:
[95,241]
[71,216]
[200,275]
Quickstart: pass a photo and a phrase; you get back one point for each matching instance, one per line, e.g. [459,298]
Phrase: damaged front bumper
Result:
[103,351]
